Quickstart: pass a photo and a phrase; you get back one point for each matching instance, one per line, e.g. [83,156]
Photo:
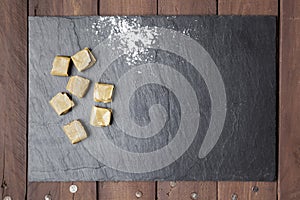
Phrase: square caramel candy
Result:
[75,131]
[103,92]
[100,116]
[83,59]
[61,103]
[60,66]
[78,86]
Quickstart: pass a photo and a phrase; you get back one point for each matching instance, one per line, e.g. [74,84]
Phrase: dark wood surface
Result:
[61,190]
[63,7]
[247,190]
[128,7]
[13,97]
[289,101]
[185,190]
[187,7]
[126,190]
[248,7]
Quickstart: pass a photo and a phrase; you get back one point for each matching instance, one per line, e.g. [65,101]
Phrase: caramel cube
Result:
[83,59]
[60,66]
[103,92]
[78,86]
[100,116]
[75,131]
[61,103]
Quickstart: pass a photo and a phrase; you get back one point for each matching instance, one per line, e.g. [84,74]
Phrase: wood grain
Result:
[13,98]
[185,190]
[186,7]
[128,7]
[126,190]
[289,102]
[248,7]
[61,190]
[243,189]
[86,190]
[39,191]
[63,7]
[247,190]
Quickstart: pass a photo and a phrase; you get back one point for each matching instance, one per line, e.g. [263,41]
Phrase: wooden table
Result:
[13,101]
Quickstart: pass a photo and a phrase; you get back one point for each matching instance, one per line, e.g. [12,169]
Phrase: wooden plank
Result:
[13,98]
[187,190]
[247,190]
[128,7]
[244,189]
[126,190]
[248,7]
[184,189]
[86,190]
[289,104]
[186,7]
[61,190]
[63,7]
[54,190]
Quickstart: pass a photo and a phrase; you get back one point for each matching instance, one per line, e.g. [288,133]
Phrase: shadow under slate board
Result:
[194,99]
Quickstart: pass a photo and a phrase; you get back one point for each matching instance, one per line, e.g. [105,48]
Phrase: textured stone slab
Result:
[195,98]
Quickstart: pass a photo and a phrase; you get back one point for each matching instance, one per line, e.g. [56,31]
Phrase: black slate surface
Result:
[195,98]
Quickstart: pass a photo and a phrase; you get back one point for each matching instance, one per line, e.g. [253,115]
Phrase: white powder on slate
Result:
[133,40]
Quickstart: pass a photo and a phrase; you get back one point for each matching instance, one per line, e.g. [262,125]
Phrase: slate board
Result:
[195,98]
